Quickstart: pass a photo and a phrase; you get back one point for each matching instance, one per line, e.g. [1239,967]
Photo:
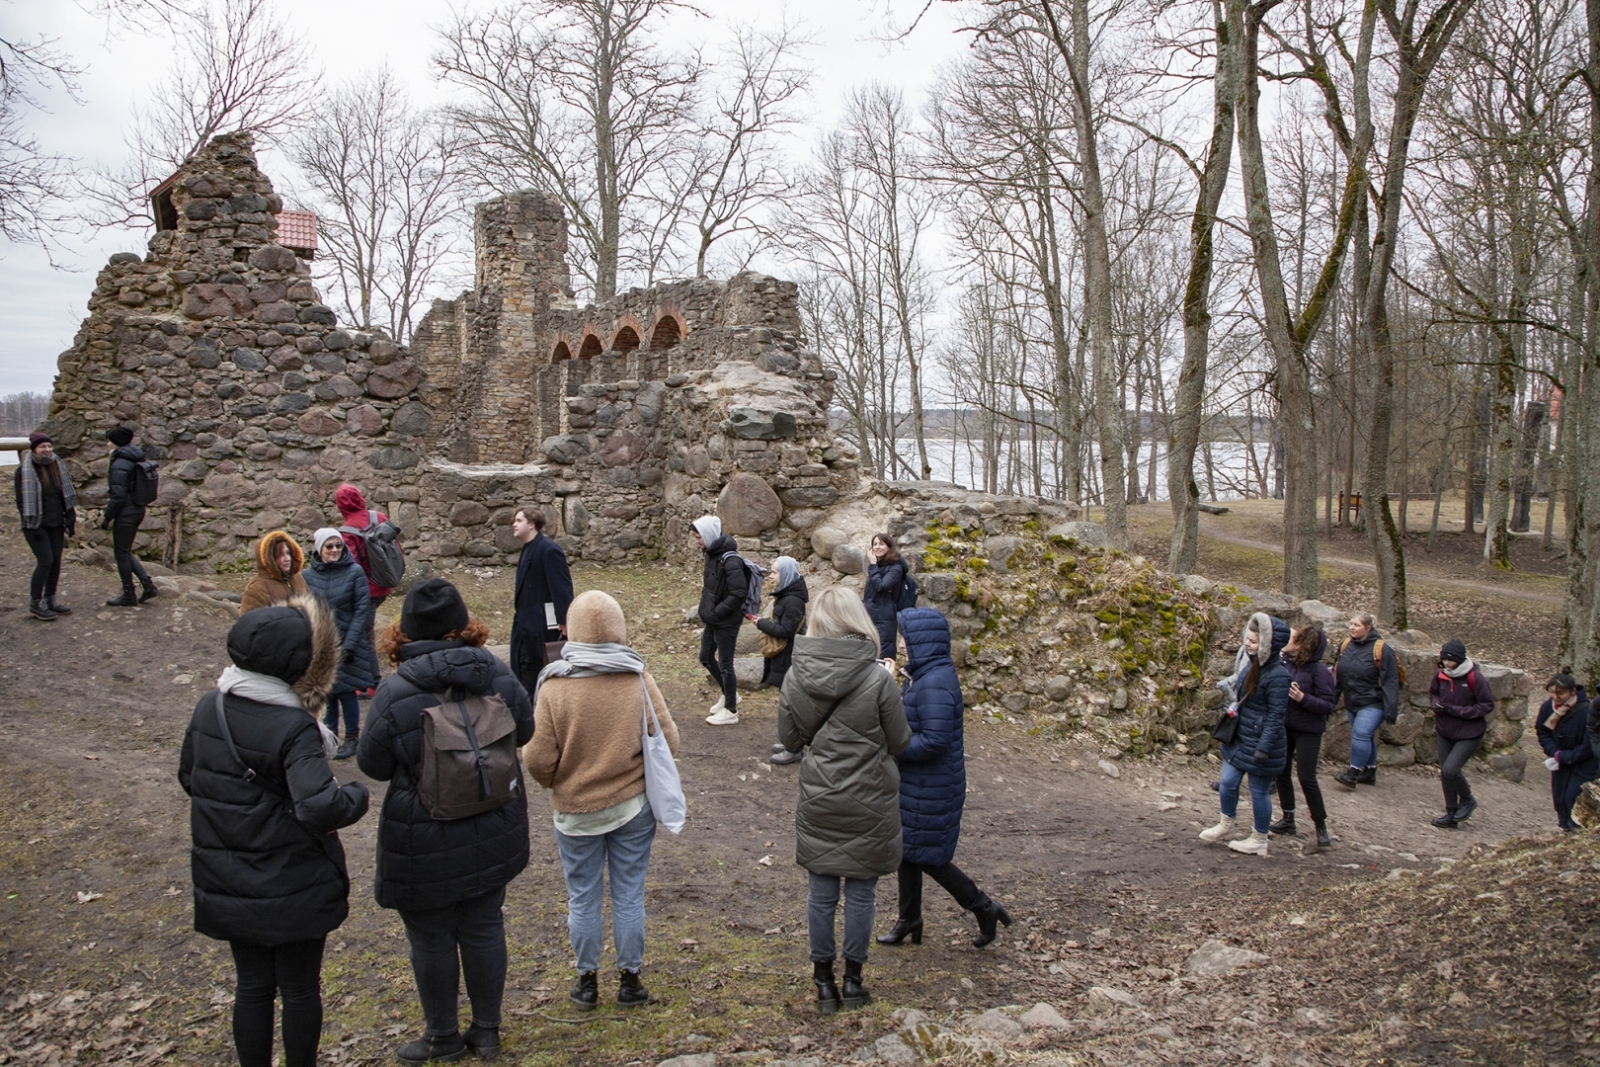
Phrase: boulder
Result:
[848,559]
[565,448]
[1058,688]
[997,1023]
[825,538]
[364,420]
[1087,534]
[759,424]
[1511,766]
[1105,1000]
[748,670]
[1216,958]
[468,513]
[998,551]
[1329,618]
[747,506]
[1042,1017]
[1196,585]
[394,380]
[414,419]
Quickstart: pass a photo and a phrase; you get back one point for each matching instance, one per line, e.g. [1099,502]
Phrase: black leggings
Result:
[954,880]
[1304,750]
[1453,756]
[123,531]
[48,543]
[716,656]
[294,971]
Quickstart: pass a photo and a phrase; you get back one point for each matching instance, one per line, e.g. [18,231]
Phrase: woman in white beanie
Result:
[337,579]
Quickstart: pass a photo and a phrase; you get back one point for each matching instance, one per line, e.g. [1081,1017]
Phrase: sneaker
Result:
[722,702]
[723,717]
[429,1048]
[783,757]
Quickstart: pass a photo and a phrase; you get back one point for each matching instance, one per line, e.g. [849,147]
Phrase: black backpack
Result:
[380,553]
[908,593]
[144,483]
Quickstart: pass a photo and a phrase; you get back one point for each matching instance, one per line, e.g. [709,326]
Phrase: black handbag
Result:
[1226,728]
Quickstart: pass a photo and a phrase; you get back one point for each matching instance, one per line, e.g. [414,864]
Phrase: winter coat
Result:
[342,585]
[788,615]
[425,863]
[543,577]
[53,510]
[1570,740]
[1261,746]
[933,768]
[1460,705]
[119,483]
[1309,715]
[1360,681]
[838,699]
[269,587]
[267,864]
[353,513]
[723,586]
[882,598]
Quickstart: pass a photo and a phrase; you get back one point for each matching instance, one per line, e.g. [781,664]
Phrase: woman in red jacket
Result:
[1461,701]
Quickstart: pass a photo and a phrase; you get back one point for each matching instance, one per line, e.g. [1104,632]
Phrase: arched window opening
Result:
[627,340]
[590,348]
[666,334]
[561,353]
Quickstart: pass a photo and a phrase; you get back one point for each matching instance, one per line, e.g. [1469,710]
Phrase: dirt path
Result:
[1105,877]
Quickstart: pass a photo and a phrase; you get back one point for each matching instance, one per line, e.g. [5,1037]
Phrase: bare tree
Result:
[573,98]
[386,181]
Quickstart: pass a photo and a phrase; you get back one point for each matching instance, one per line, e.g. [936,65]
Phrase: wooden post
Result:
[173,548]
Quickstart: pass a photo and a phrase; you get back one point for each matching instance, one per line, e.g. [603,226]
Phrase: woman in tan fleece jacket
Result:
[588,749]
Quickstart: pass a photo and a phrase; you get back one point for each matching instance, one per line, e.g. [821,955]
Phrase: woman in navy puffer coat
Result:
[1259,747]
[339,581]
[933,782]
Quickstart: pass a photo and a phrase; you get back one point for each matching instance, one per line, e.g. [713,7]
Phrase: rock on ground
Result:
[1216,958]
[1042,1017]
[697,1059]
[1106,999]
[997,1024]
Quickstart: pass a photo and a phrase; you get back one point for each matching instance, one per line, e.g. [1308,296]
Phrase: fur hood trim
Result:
[1262,622]
[269,545]
[315,685]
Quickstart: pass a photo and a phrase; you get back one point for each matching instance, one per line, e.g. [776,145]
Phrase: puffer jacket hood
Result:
[830,668]
[348,499]
[439,666]
[298,643]
[723,544]
[1268,649]
[267,547]
[596,618]
[1309,715]
[132,453]
[927,635]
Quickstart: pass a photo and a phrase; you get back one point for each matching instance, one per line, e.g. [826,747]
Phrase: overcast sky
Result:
[42,307]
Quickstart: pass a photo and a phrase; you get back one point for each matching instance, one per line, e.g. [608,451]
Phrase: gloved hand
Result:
[1552,764]
[347,656]
[1261,756]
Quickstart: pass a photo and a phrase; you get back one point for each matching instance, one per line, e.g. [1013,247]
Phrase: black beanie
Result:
[275,641]
[120,436]
[433,608]
[1454,650]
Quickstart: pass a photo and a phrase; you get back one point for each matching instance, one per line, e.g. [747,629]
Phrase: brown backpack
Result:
[469,757]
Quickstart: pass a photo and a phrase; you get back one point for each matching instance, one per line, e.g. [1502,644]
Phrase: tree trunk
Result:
[1502,455]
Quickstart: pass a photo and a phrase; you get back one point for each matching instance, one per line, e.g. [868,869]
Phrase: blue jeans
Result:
[626,850]
[1364,736]
[822,906]
[1260,796]
[352,712]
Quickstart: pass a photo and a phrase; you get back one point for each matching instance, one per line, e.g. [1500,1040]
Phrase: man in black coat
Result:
[722,594]
[123,517]
[543,577]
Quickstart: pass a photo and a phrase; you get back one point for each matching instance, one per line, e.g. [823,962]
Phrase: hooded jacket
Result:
[1570,741]
[425,863]
[788,615]
[838,699]
[933,768]
[587,745]
[1461,706]
[1362,683]
[353,513]
[269,586]
[343,587]
[1261,746]
[119,484]
[725,582]
[881,595]
[1309,715]
[267,864]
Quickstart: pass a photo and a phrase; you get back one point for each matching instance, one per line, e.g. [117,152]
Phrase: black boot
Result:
[1465,809]
[1349,778]
[348,749]
[1447,821]
[150,592]
[1284,825]
[630,991]
[990,914]
[827,990]
[484,1041]
[903,929]
[1368,776]
[128,600]
[585,992]
[54,603]
[40,609]
[853,994]
[1324,842]
[428,1048]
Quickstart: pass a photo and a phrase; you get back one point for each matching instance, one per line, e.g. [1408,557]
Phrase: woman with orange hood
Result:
[279,562]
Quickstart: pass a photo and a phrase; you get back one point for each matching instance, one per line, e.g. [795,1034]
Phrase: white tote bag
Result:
[661,785]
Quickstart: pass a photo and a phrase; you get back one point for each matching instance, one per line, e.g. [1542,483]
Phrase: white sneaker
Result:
[1254,845]
[723,717]
[1219,831]
[721,703]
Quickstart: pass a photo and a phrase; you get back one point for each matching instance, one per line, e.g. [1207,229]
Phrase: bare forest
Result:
[1118,251]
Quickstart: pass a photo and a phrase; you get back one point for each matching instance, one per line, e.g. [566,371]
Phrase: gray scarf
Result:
[33,492]
[580,659]
[265,689]
[1460,670]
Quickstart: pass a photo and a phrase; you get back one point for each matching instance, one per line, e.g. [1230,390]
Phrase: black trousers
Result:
[1453,756]
[954,880]
[469,937]
[123,531]
[1565,788]
[293,971]
[716,656]
[48,544]
[1304,750]
[530,661]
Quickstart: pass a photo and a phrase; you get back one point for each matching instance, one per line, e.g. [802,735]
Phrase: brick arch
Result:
[592,346]
[627,335]
[668,330]
[561,353]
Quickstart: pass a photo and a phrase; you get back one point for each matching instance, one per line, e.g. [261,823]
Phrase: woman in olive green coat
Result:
[840,702]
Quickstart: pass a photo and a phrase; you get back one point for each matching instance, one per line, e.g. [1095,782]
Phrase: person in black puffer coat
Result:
[886,573]
[447,879]
[1259,748]
[1461,701]
[789,600]
[722,593]
[933,782]
[123,517]
[338,579]
[1311,697]
[269,871]
[1567,737]
[1368,677]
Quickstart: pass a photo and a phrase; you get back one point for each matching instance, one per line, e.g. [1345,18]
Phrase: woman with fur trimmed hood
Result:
[279,562]
[269,871]
[1259,747]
